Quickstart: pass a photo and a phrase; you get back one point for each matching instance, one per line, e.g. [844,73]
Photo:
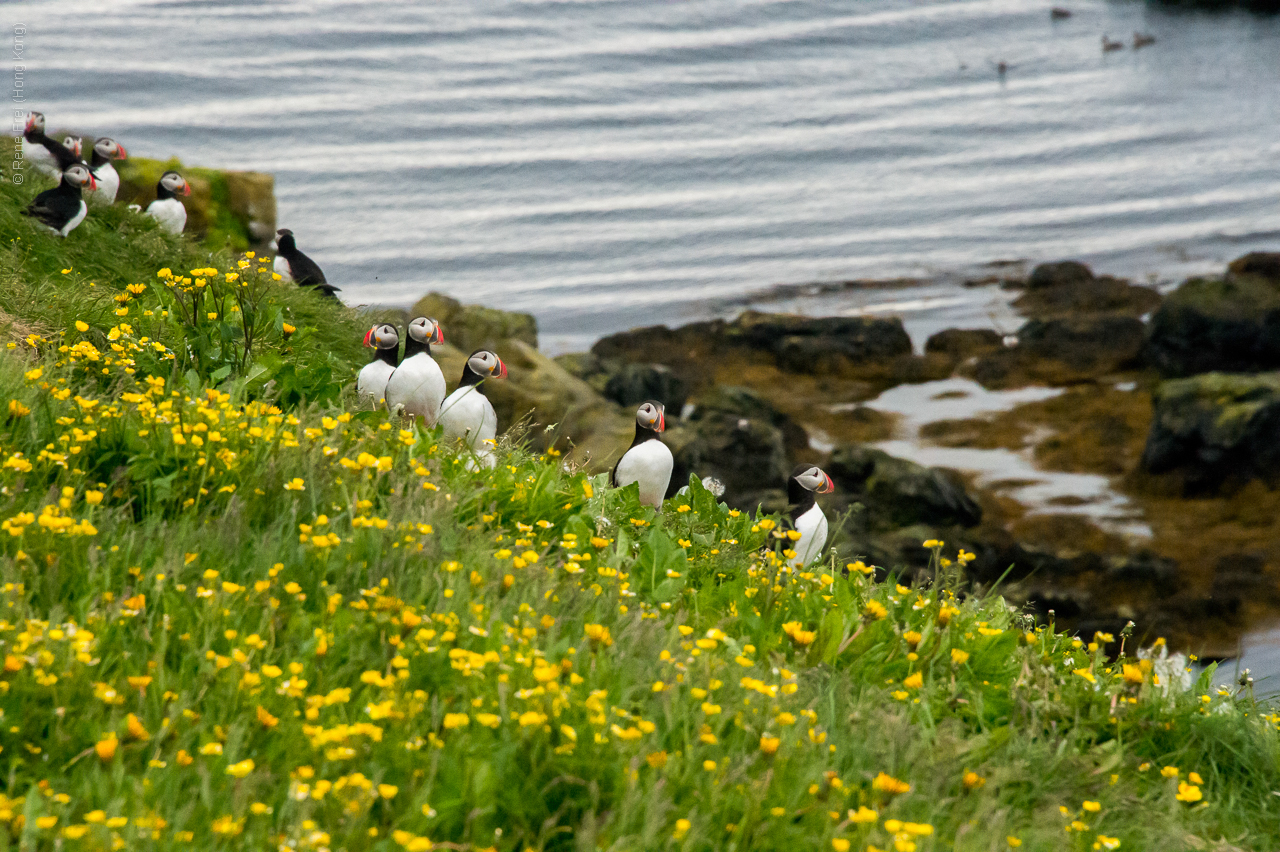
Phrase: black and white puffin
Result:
[371,383]
[104,151]
[416,388]
[47,155]
[292,265]
[466,414]
[60,209]
[648,461]
[167,209]
[806,515]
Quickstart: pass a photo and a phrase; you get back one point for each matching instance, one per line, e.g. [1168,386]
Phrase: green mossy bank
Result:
[239,612]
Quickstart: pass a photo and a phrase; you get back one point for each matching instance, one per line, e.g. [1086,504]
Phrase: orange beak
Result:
[438,337]
[368,338]
[93,182]
[124,155]
[186,188]
[828,486]
[502,369]
[31,123]
[662,422]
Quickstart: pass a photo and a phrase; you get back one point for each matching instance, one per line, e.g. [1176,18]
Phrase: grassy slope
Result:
[228,625]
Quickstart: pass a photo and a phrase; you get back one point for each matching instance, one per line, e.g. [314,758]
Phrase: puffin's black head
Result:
[110,149]
[805,481]
[285,241]
[171,184]
[426,331]
[482,365]
[35,124]
[382,336]
[78,175]
[651,415]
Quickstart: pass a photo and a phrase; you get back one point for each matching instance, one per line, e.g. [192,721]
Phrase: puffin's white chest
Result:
[170,213]
[281,266]
[648,463]
[812,526]
[371,383]
[468,415]
[108,184]
[417,388]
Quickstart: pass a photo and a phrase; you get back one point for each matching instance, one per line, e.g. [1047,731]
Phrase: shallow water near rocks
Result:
[1260,654]
[1015,473]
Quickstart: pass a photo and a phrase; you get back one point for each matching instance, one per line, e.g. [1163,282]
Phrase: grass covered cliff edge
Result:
[236,612]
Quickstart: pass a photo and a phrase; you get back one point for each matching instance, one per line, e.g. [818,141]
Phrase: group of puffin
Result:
[413,385]
[409,384]
[64,207]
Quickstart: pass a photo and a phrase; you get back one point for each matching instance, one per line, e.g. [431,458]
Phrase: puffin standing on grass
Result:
[416,388]
[167,209]
[292,265]
[467,415]
[648,461]
[806,515]
[371,383]
[47,155]
[60,209]
[104,151]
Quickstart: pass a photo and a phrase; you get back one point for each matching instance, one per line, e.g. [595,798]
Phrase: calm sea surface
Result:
[612,164]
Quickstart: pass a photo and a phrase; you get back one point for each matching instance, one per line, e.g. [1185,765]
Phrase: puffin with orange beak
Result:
[104,151]
[647,461]
[806,515]
[467,415]
[48,155]
[60,209]
[416,388]
[371,384]
[167,209]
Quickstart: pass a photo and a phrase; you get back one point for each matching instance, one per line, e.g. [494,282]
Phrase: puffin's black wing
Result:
[53,208]
[305,272]
[326,290]
[60,152]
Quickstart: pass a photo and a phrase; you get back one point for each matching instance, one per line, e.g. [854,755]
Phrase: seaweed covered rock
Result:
[1069,288]
[897,492]
[232,208]
[632,384]
[1228,324]
[1216,429]
[740,403]
[471,327]
[747,454]
[1065,350]
[962,343]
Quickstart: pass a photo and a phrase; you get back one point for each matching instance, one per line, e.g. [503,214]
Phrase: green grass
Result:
[210,557]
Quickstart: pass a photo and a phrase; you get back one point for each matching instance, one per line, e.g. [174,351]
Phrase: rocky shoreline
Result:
[1171,401]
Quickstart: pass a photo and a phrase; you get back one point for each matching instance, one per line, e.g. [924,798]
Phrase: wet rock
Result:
[1229,324]
[900,492]
[963,343]
[1264,264]
[472,327]
[1065,350]
[748,455]
[820,344]
[1216,429]
[1096,295]
[1064,273]
[740,403]
[632,384]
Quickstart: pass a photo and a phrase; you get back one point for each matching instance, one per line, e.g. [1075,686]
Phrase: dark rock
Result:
[739,402]
[900,492]
[1216,429]
[820,344]
[471,327]
[1229,324]
[747,455]
[635,383]
[1264,264]
[1097,342]
[1148,569]
[962,343]
[1095,295]
[1064,273]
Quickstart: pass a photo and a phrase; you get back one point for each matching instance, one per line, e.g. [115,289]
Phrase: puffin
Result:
[292,265]
[416,388]
[806,515]
[47,155]
[467,415]
[104,151]
[371,384]
[647,461]
[61,209]
[167,209]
